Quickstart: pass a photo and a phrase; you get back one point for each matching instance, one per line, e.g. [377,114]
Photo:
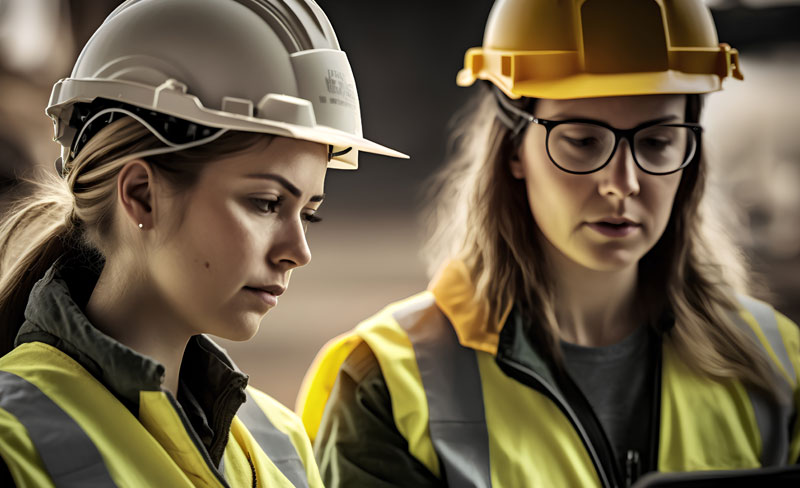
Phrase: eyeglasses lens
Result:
[664,148]
[581,148]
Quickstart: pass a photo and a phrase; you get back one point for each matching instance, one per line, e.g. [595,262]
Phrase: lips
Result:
[267,294]
[616,221]
[614,226]
[276,290]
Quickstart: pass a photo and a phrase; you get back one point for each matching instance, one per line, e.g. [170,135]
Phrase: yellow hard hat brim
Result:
[559,75]
[607,85]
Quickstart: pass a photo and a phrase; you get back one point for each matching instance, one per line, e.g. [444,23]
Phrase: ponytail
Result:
[33,235]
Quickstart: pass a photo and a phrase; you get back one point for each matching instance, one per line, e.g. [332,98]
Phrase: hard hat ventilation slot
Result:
[291,22]
[505,65]
[240,106]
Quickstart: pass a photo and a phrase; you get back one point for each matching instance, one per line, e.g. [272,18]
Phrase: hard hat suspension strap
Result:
[335,154]
[513,117]
[176,134]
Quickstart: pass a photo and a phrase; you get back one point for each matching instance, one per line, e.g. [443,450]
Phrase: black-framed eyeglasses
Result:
[583,146]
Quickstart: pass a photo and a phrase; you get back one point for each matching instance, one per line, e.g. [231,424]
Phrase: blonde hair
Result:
[74,214]
[481,216]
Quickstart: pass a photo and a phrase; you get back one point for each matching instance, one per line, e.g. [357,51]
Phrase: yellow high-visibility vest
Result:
[486,420]
[62,427]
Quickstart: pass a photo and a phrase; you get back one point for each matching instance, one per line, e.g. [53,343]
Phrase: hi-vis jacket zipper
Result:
[632,467]
[253,470]
[588,427]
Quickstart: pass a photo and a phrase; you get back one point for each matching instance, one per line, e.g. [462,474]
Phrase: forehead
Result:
[622,112]
[304,163]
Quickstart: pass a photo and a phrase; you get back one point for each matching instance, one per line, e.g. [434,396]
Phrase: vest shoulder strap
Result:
[68,454]
[773,414]
[276,444]
[764,315]
[452,383]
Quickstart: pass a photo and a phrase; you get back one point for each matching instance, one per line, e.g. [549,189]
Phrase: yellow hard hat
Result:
[562,49]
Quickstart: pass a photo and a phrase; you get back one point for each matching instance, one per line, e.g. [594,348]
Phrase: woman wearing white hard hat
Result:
[195,139]
[588,322]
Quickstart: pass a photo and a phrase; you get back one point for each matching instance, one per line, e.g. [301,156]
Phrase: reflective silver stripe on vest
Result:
[275,444]
[452,384]
[69,456]
[773,415]
[765,316]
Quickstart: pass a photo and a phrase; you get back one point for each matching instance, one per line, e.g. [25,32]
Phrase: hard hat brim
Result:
[603,85]
[559,74]
[172,100]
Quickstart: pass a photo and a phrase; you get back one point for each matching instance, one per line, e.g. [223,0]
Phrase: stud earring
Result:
[141,226]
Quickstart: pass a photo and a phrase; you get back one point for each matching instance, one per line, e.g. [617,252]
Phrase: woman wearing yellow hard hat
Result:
[195,138]
[588,321]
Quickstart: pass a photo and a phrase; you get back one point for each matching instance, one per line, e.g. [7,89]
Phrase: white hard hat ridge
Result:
[271,66]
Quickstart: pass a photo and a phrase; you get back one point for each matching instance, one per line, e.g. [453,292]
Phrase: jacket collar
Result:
[54,315]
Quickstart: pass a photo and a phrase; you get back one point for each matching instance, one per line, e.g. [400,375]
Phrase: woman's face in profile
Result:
[609,219]
[228,253]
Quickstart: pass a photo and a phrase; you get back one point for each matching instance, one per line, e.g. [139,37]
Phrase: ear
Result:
[135,192]
[516,166]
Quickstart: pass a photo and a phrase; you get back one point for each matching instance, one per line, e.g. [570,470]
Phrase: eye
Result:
[312,218]
[264,205]
[581,141]
[657,142]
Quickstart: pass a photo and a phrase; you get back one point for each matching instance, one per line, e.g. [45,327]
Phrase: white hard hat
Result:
[192,69]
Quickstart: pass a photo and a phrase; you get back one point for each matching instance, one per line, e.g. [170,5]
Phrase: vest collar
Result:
[455,296]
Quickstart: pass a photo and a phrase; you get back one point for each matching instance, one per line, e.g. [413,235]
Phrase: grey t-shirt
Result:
[617,382]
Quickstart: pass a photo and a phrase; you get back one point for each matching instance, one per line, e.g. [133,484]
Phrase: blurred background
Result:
[405,56]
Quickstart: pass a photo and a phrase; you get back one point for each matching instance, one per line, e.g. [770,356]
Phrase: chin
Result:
[239,330]
[609,261]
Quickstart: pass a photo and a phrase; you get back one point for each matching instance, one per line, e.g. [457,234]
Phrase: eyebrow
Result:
[291,188]
[568,116]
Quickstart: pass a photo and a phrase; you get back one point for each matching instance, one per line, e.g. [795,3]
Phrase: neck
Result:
[124,307]
[594,308]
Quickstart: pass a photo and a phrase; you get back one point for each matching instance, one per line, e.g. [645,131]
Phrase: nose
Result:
[620,178]
[289,248]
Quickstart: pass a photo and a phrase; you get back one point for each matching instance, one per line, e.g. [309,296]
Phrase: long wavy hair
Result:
[481,216]
[74,214]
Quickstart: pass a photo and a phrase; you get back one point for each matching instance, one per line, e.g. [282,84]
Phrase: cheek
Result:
[555,197]
[217,244]
[660,198]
